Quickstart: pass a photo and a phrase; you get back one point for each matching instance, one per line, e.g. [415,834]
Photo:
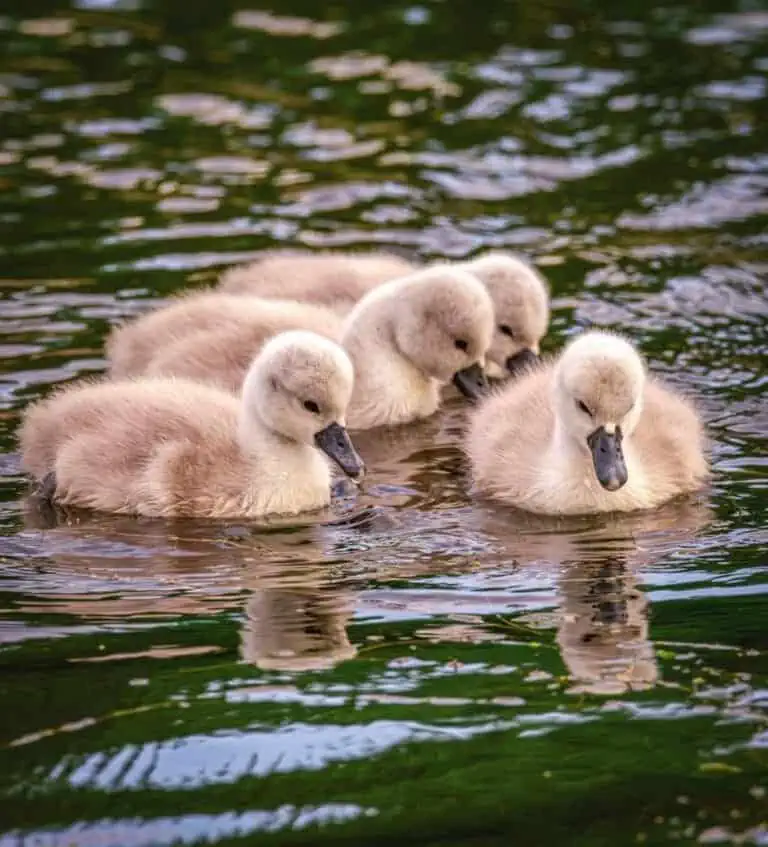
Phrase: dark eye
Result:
[311,406]
[584,408]
[460,344]
[507,330]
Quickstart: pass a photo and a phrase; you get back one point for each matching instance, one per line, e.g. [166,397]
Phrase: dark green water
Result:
[470,677]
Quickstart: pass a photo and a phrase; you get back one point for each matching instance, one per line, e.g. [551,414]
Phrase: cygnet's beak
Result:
[471,381]
[335,442]
[521,361]
[608,458]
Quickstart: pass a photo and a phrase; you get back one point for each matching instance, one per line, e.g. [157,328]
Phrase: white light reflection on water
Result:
[184,829]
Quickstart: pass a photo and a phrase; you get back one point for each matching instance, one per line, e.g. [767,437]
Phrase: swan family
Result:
[237,401]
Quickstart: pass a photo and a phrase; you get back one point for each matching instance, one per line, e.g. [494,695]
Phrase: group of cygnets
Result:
[228,403]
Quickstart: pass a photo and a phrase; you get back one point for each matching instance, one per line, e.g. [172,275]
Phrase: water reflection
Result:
[188,829]
[297,622]
[300,595]
[603,629]
[146,147]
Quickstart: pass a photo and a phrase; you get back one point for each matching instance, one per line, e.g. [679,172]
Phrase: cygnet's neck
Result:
[279,475]
[388,388]
[567,447]
[260,443]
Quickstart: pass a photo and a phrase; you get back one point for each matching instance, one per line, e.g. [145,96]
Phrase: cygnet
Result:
[521,301]
[336,280]
[174,448]
[209,337]
[412,335]
[590,432]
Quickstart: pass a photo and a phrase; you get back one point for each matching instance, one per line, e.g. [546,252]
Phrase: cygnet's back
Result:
[336,280]
[86,433]
[590,432]
[412,335]
[210,337]
[170,447]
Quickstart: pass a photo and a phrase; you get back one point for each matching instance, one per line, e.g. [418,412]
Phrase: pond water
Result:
[411,667]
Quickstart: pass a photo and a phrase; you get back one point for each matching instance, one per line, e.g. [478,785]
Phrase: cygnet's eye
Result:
[584,408]
[460,344]
[507,330]
[311,406]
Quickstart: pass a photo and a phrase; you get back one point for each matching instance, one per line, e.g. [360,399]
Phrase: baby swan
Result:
[591,432]
[173,448]
[410,336]
[336,280]
[521,301]
[209,337]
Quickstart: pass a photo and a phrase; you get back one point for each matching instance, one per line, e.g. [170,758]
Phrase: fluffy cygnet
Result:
[336,280]
[210,337]
[521,302]
[410,336]
[339,280]
[167,447]
[591,432]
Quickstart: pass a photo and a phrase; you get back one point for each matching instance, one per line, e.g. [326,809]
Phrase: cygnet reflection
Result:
[297,622]
[603,628]
[299,598]
[118,567]
[295,611]
[602,617]
[121,566]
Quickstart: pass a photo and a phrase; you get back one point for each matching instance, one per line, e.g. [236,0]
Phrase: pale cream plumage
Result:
[401,339]
[521,304]
[339,280]
[210,337]
[168,447]
[410,336]
[541,441]
[336,280]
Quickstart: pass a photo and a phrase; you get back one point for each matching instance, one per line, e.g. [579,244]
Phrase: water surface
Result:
[441,671]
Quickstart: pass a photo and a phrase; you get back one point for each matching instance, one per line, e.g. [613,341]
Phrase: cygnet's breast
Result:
[292,480]
[566,484]
[391,391]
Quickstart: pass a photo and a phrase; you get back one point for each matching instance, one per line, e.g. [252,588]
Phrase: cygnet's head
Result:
[521,303]
[299,386]
[599,381]
[443,324]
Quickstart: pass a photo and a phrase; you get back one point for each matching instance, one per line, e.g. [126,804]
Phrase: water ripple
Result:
[410,629]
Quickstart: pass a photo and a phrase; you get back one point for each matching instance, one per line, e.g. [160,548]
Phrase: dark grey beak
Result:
[471,381]
[521,361]
[608,458]
[334,441]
